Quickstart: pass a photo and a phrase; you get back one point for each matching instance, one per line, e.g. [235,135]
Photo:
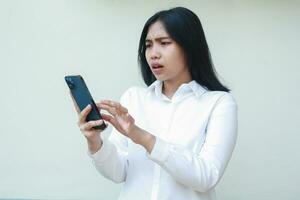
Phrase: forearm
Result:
[94,144]
[185,166]
[110,162]
[143,138]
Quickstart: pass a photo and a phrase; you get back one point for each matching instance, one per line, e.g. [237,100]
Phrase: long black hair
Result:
[185,28]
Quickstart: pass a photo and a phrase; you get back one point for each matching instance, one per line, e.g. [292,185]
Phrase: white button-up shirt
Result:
[195,133]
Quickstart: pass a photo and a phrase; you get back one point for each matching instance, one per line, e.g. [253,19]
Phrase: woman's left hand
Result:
[119,118]
[124,123]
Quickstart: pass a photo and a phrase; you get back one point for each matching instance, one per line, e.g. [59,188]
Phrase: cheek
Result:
[147,56]
[176,56]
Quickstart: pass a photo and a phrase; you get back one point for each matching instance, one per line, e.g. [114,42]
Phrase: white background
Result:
[255,48]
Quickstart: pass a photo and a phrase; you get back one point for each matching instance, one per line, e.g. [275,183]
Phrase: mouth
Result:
[157,68]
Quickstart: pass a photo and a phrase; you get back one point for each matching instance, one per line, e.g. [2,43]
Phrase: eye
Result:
[148,45]
[164,43]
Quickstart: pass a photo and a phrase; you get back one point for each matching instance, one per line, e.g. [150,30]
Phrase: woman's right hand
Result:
[92,135]
[86,128]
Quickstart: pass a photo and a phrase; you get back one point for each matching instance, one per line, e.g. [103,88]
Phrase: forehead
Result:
[156,30]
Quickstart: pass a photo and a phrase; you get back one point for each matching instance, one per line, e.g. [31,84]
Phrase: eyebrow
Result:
[158,38]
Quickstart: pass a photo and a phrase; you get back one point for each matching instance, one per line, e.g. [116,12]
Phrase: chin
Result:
[160,78]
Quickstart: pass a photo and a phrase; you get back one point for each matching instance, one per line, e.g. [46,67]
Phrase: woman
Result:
[173,139]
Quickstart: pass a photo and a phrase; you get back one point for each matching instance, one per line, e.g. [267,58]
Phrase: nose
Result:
[154,53]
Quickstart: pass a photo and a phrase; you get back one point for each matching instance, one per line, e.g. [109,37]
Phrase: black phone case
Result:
[82,96]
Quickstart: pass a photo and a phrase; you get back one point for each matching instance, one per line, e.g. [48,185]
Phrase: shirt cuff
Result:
[160,152]
[103,153]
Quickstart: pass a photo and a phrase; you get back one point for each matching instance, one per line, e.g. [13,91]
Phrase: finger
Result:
[111,103]
[106,117]
[123,109]
[84,113]
[75,104]
[99,106]
[111,120]
[109,109]
[89,125]
[120,109]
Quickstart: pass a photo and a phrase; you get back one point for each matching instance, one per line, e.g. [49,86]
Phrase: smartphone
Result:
[82,96]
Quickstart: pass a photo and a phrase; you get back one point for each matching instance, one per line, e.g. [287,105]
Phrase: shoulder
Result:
[219,98]
[132,93]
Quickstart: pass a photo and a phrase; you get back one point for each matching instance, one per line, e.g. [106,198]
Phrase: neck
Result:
[170,86]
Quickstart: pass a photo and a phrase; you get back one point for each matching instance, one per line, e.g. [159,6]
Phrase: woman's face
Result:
[164,56]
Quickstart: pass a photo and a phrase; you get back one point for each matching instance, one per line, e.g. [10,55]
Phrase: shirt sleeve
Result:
[202,170]
[111,160]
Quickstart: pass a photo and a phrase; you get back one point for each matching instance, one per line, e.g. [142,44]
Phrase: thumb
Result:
[106,117]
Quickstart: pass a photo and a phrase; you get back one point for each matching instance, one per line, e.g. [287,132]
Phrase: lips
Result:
[157,68]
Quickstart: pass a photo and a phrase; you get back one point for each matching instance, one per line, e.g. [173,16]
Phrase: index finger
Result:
[115,104]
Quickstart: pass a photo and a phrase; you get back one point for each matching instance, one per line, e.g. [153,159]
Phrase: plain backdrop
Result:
[255,49]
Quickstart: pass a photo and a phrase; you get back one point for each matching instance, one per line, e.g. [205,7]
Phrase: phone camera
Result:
[70,83]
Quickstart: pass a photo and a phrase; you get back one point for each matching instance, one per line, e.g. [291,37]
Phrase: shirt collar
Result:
[193,86]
